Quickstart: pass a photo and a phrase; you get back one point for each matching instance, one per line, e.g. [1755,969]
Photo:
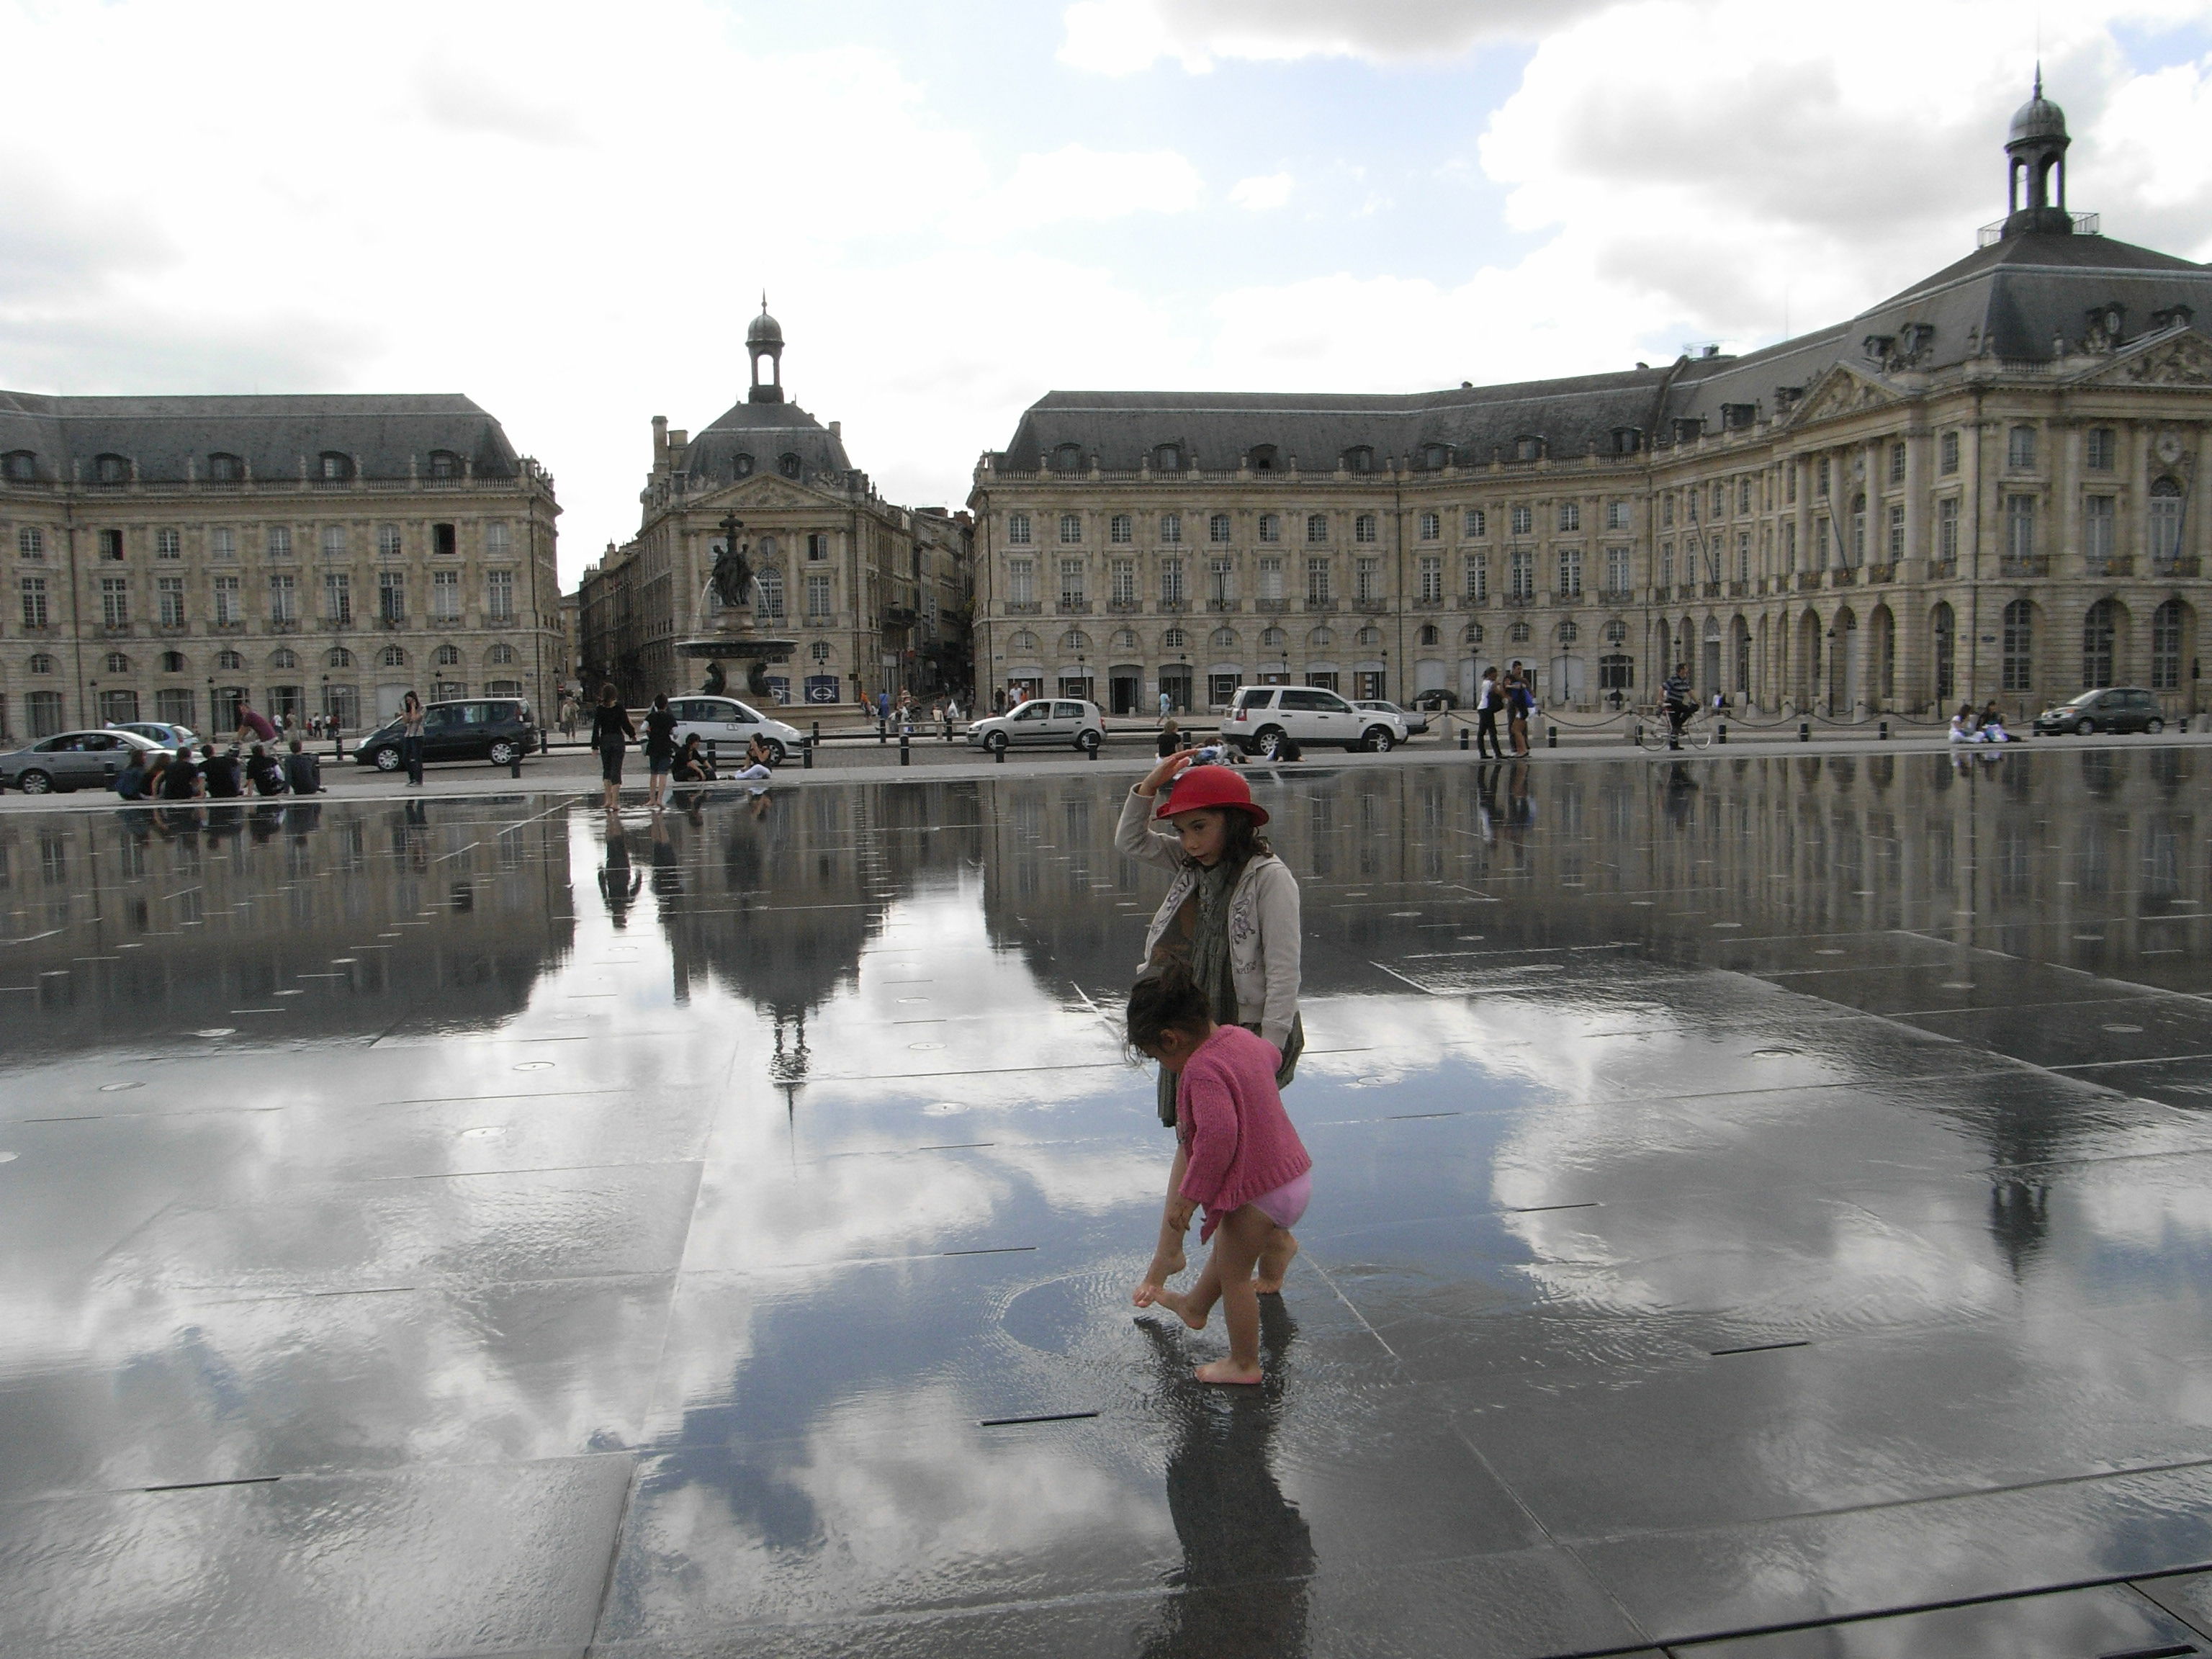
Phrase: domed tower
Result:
[764,338]
[2035,161]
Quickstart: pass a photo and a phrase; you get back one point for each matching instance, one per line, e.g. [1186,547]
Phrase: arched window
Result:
[1616,633]
[229,662]
[1473,635]
[2099,629]
[1125,640]
[225,469]
[2017,649]
[1222,639]
[444,464]
[283,657]
[2164,522]
[339,657]
[500,656]
[1369,635]
[172,662]
[117,663]
[1428,634]
[1943,630]
[391,657]
[334,466]
[1569,633]
[819,650]
[1273,639]
[1518,633]
[741,466]
[41,663]
[1023,641]
[1174,640]
[2166,640]
[1075,640]
[789,464]
[19,465]
[111,468]
[1321,638]
[448,656]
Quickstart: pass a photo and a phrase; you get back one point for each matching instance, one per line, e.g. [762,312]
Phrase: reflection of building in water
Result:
[1980,487]
[178,919]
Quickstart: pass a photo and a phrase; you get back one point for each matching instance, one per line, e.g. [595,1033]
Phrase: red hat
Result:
[1209,786]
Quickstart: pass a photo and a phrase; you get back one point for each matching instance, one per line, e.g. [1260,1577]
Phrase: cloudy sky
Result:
[568,212]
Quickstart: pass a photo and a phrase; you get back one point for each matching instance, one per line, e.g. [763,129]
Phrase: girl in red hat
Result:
[1231,920]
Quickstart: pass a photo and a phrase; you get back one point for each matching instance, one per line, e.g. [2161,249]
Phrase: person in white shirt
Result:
[1964,728]
[1487,701]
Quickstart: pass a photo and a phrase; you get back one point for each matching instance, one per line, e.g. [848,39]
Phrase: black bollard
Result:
[544,741]
[1885,731]
[883,732]
[1804,730]
[1551,737]
[998,754]
[514,766]
[1721,736]
[817,731]
[906,755]
[1462,737]
[806,754]
[1090,751]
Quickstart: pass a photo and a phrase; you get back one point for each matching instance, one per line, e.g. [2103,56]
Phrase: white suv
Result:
[1264,715]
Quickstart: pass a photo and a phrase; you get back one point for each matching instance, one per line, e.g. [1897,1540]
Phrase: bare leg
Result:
[1236,1249]
[1167,1256]
[1275,1262]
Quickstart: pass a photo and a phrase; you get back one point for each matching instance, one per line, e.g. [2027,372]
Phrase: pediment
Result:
[769,494]
[2181,359]
[1845,389]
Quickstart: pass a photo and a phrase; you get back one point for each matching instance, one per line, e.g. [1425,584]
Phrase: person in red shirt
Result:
[1237,1155]
[253,727]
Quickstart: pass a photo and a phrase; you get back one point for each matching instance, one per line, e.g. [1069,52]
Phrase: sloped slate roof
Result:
[767,432]
[384,433]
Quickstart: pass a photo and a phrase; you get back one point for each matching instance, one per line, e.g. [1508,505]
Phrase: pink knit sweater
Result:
[1237,1136]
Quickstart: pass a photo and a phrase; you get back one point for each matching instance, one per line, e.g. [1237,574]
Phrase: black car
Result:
[2112,708]
[494,729]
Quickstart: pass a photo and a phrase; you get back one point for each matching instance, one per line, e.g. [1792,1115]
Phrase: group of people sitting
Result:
[1988,727]
[220,775]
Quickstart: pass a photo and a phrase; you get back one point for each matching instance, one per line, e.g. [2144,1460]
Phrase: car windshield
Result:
[2085,697]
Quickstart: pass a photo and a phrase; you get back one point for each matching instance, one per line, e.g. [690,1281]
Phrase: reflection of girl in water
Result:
[1236,1154]
[618,883]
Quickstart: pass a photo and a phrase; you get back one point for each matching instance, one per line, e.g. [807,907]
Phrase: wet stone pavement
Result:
[1760,1211]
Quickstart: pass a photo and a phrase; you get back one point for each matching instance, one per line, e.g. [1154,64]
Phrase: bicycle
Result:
[1654,729]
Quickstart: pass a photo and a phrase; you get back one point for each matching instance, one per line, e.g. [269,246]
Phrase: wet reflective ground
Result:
[1749,1196]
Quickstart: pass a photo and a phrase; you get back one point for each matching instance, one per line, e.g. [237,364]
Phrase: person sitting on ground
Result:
[692,764]
[263,772]
[759,764]
[181,780]
[1965,725]
[221,772]
[1993,727]
[303,771]
[157,767]
[1170,738]
[131,781]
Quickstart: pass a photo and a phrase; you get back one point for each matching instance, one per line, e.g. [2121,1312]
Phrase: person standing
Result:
[410,738]
[659,750]
[1486,699]
[1517,709]
[611,731]
[1167,707]
[1674,696]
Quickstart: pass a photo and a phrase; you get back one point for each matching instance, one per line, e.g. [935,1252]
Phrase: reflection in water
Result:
[1237,1531]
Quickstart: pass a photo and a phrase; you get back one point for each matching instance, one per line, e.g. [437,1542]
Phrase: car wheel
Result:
[1380,740]
[775,751]
[1088,743]
[35,783]
[505,753]
[1268,740]
[996,743]
[386,759]
[2154,724]
[2083,728]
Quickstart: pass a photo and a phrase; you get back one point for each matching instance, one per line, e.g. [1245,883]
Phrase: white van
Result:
[725,725]
[1261,715]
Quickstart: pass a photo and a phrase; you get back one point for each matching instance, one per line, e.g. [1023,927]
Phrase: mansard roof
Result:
[766,432]
[170,438]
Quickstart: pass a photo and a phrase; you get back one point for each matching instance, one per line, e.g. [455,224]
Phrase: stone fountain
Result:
[725,631]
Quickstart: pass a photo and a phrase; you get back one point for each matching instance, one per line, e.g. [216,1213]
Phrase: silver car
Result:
[725,725]
[1052,721]
[72,760]
[164,732]
[1415,724]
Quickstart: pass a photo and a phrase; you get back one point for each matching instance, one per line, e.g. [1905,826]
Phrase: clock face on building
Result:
[2169,448]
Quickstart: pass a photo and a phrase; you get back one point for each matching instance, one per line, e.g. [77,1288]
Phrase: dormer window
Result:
[334,467]
[1689,428]
[1627,440]
[789,464]
[1261,458]
[1528,447]
[444,464]
[111,468]
[1437,457]
[1359,459]
[225,469]
[1067,458]
[2172,316]
[1168,457]
[1738,417]
[19,466]
[741,466]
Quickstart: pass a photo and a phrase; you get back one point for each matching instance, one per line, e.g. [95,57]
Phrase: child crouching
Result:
[1236,1154]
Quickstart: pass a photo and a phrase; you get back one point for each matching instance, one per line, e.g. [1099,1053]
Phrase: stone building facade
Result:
[1982,487]
[173,557]
[875,596]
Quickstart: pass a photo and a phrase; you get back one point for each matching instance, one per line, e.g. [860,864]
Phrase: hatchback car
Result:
[1415,724]
[2115,708]
[730,724]
[496,729]
[1263,715]
[1050,721]
[72,760]
[164,732]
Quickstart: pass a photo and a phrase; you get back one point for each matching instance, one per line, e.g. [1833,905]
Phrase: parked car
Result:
[2111,708]
[496,729]
[164,732]
[1051,721]
[1436,700]
[730,724]
[1414,723]
[71,760]
[1260,716]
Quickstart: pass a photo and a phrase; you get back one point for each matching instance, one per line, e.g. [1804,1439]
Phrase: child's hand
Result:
[1167,771]
[1179,1211]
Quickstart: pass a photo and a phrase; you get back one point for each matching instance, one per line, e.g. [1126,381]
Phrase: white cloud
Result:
[1262,193]
[1076,182]
[1121,37]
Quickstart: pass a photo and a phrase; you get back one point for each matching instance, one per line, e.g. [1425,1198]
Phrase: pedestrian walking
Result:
[1230,918]
[1167,707]
[410,738]
[1518,702]
[611,731]
[1487,699]
[659,750]
[1236,1154]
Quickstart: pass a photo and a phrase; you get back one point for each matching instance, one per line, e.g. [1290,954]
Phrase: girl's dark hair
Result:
[1244,842]
[660,700]
[1166,998]
[607,692]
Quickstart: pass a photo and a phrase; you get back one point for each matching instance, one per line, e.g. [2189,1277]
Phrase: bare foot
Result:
[1148,1292]
[1227,1370]
[1274,1262]
[1179,1305]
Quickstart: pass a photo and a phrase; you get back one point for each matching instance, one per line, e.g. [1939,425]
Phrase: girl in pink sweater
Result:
[1236,1154]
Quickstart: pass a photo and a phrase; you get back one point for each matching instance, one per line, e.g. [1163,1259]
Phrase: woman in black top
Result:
[264,774]
[692,765]
[1170,738]
[610,732]
[659,750]
[182,779]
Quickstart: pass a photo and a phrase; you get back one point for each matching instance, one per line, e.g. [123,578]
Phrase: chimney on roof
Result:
[836,428]
[659,442]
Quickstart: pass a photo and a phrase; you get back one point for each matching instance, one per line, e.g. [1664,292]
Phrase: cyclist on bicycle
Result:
[1675,696]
